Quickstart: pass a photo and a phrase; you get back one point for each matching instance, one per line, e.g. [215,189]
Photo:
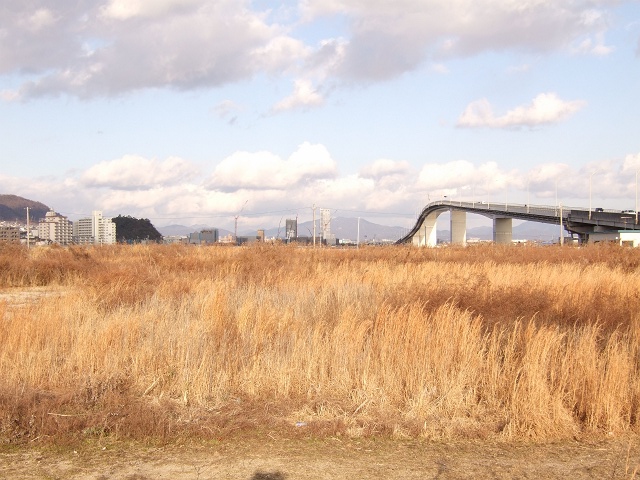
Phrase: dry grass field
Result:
[161,343]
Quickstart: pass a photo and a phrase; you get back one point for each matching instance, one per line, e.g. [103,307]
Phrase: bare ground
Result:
[332,458]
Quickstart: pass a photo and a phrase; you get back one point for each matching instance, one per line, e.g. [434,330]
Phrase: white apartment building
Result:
[325,222]
[97,229]
[55,228]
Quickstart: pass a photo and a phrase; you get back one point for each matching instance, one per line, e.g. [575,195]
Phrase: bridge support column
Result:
[426,235]
[458,224]
[502,230]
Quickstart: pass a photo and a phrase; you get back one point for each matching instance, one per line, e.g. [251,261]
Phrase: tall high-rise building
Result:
[325,222]
[96,229]
[291,229]
[55,228]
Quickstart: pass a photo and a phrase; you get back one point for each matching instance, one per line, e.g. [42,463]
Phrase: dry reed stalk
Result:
[380,340]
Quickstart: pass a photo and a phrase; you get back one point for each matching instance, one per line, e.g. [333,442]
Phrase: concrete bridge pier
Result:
[458,224]
[502,230]
[427,235]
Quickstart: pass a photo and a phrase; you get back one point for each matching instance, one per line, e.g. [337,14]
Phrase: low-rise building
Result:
[204,237]
[630,238]
[9,233]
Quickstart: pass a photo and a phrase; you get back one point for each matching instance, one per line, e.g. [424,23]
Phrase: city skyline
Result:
[185,110]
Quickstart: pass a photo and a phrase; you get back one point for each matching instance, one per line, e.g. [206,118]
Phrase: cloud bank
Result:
[98,48]
[176,190]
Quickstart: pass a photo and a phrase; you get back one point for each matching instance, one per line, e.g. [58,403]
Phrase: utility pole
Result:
[314,225]
[28,227]
[590,178]
[235,233]
[561,227]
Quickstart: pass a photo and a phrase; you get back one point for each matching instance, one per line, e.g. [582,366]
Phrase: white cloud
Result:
[519,69]
[545,109]
[227,109]
[343,192]
[157,190]
[436,176]
[133,172]
[548,172]
[385,167]
[187,44]
[9,95]
[389,38]
[304,96]
[439,68]
[147,44]
[126,9]
[631,163]
[280,55]
[593,46]
[265,170]
[42,18]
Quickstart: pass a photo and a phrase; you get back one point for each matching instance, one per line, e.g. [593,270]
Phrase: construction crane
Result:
[235,234]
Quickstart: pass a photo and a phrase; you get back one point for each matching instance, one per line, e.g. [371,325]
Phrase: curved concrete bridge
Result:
[579,221]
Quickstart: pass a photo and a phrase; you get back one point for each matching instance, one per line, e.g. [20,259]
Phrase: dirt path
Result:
[268,459]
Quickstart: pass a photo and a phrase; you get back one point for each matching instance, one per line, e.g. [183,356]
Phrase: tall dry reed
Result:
[485,342]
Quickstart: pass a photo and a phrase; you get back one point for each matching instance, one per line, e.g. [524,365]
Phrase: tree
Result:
[132,229]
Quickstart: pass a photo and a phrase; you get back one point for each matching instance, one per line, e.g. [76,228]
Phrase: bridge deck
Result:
[575,219]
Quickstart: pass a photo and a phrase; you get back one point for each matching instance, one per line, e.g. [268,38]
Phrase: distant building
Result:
[247,239]
[325,223]
[309,240]
[10,233]
[175,239]
[55,228]
[204,237]
[330,239]
[97,230]
[630,238]
[261,235]
[291,229]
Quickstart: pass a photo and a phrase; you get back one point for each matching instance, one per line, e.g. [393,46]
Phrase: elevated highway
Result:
[579,221]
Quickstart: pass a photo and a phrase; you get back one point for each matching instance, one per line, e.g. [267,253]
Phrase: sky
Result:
[198,112]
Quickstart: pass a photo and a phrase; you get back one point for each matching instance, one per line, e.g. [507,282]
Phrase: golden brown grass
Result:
[165,341]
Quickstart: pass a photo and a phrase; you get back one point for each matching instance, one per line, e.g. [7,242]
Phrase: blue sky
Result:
[184,111]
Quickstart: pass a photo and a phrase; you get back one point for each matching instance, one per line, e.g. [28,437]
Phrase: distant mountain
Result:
[524,231]
[536,231]
[14,208]
[344,228]
[347,228]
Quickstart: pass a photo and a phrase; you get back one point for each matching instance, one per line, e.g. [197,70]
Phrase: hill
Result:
[133,229]
[14,209]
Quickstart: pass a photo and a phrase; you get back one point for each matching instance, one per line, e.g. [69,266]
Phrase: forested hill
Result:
[14,209]
[135,229]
